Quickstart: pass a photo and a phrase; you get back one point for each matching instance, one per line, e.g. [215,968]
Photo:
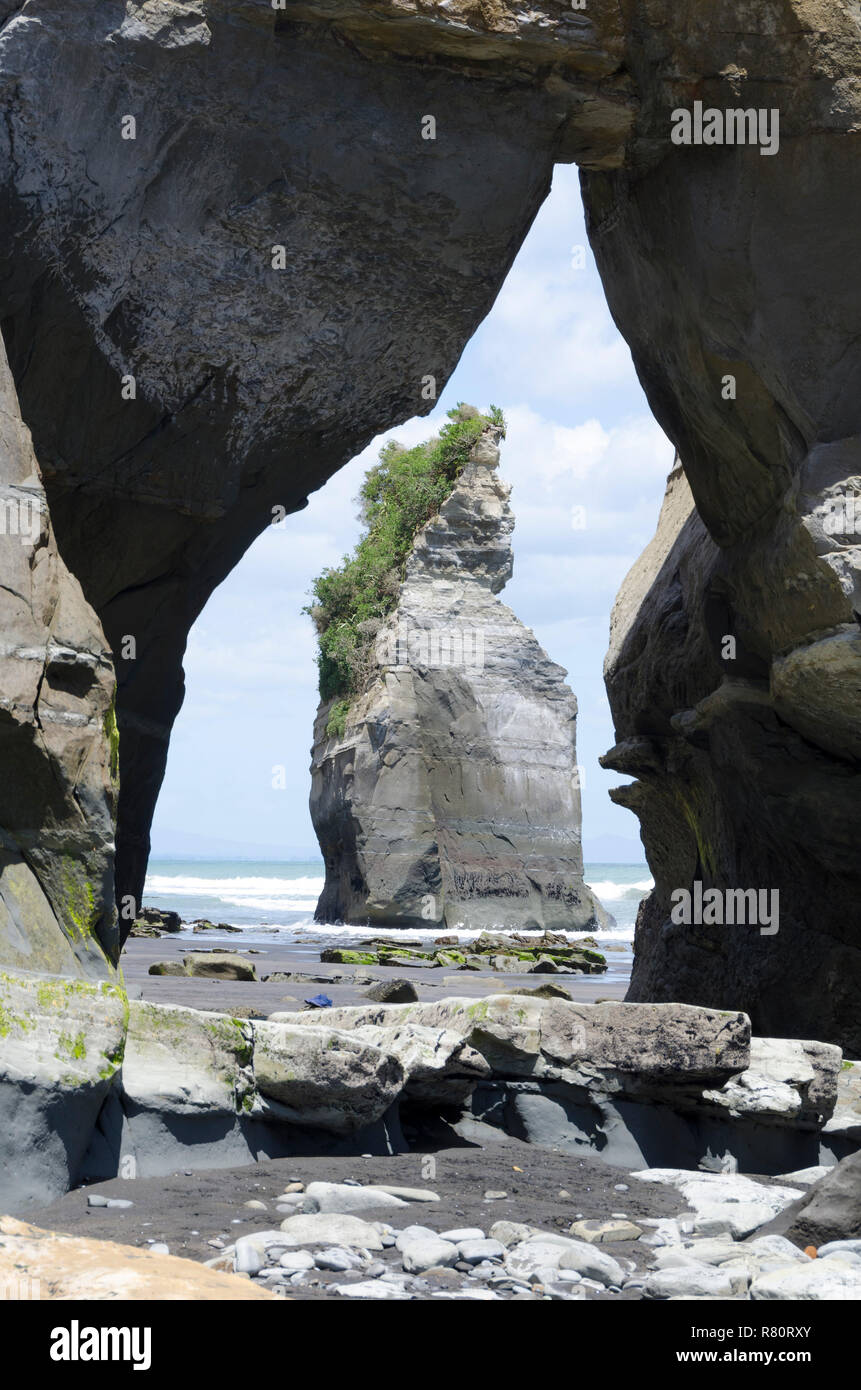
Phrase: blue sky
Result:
[580,435]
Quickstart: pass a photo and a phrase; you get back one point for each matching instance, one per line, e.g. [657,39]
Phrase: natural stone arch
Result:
[253,384]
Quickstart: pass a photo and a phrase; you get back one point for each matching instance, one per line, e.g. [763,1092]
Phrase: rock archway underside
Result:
[300,127]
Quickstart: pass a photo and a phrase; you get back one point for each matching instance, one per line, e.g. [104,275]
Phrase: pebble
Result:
[605,1232]
[324,1228]
[694,1279]
[338,1260]
[474,1251]
[461,1234]
[158,1247]
[423,1252]
[254,1205]
[492,1196]
[371,1288]
[294,1261]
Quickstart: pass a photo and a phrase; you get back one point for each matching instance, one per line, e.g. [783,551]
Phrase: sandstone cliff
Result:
[452,796]
[179,386]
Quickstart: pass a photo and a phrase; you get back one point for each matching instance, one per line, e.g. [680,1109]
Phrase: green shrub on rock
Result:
[399,495]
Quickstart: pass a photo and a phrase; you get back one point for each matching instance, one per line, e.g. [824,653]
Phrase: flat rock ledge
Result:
[161,1087]
[43,1264]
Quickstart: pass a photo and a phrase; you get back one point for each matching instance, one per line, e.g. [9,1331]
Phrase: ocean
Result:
[262,895]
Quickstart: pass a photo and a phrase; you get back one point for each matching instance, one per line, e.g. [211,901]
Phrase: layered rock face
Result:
[57,736]
[182,376]
[726,271]
[236,261]
[453,796]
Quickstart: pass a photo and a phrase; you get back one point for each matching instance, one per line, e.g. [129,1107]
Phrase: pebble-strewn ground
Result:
[344,984]
[206,1216]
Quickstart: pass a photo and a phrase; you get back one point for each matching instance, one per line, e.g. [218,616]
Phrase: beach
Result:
[270,905]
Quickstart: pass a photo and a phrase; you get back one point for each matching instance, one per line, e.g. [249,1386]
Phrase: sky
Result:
[588,466]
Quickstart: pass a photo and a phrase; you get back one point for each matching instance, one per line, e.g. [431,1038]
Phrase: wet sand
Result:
[344,984]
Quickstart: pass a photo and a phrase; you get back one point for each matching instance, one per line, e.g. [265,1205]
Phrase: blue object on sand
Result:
[320,1001]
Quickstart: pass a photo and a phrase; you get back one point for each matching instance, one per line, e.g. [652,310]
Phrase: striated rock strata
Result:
[452,796]
[179,386]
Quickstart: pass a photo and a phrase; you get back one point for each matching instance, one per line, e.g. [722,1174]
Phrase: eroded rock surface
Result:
[452,797]
[152,258]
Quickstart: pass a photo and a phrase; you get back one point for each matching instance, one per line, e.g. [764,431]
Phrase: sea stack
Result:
[450,795]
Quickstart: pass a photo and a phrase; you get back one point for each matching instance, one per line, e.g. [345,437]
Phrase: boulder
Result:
[820,1280]
[613,1048]
[325,1228]
[830,1209]
[162,920]
[61,1047]
[788,1080]
[168,967]
[44,1264]
[725,1202]
[219,965]
[322,1077]
[343,1197]
[393,992]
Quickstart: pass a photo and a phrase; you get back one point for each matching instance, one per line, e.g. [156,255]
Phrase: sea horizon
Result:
[282,894]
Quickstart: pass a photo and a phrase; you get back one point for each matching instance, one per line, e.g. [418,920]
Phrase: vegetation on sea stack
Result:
[399,495]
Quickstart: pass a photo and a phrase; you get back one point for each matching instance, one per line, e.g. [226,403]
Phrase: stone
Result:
[341,1197]
[325,1228]
[462,1234]
[640,1050]
[61,1047]
[157,917]
[338,1260]
[510,1233]
[221,965]
[804,1177]
[605,1232]
[410,1233]
[334,1080]
[438,1065]
[476,1249]
[787,1079]
[370,1288]
[832,1247]
[544,1250]
[293,1261]
[774,1247]
[409,1194]
[830,1209]
[423,1252]
[438,752]
[545,991]
[81,1270]
[725,1202]
[167,967]
[825,1280]
[393,992]
[702,1281]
